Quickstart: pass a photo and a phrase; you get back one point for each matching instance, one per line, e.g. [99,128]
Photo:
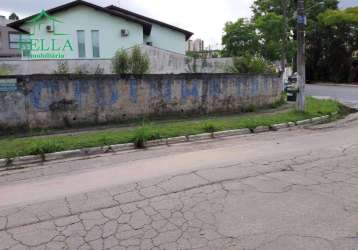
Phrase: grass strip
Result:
[14,147]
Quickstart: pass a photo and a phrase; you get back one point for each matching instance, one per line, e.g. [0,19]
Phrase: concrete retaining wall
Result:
[43,101]
[161,62]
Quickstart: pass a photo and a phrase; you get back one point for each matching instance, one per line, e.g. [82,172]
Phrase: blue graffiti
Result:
[115,93]
[255,87]
[78,93]
[101,94]
[133,89]
[35,95]
[266,85]
[53,88]
[187,92]
[214,87]
[167,90]
[239,91]
[154,90]
[81,88]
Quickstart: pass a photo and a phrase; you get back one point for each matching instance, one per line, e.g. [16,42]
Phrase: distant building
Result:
[189,45]
[196,45]
[9,40]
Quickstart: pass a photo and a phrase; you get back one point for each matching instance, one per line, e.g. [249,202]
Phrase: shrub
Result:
[139,63]
[209,128]
[4,71]
[251,65]
[143,134]
[105,141]
[120,62]
[62,68]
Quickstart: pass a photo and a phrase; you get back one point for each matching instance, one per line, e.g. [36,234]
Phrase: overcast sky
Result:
[206,18]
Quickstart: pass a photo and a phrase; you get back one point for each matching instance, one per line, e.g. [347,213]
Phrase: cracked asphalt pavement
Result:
[292,189]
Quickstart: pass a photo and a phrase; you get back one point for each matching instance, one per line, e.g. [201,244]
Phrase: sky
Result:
[206,18]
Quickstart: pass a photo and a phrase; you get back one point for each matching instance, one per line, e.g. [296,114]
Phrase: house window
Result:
[14,40]
[81,43]
[95,43]
[25,45]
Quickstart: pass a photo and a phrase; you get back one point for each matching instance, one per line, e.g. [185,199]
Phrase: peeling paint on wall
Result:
[214,87]
[58,101]
[189,90]
[133,90]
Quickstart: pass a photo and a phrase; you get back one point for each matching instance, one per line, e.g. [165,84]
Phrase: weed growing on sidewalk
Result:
[11,147]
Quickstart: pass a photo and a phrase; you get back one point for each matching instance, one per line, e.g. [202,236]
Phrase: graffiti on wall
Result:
[81,93]
[8,85]
[60,101]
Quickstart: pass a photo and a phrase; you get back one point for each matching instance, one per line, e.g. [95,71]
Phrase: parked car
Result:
[291,87]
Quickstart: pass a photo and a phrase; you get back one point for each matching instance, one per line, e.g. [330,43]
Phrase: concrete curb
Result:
[234,132]
[304,122]
[16,163]
[261,129]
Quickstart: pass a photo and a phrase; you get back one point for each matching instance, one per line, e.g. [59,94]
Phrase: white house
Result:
[84,30]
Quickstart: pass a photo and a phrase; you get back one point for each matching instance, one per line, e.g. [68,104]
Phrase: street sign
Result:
[302,20]
[8,85]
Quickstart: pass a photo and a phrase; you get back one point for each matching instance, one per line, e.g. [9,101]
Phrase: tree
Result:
[326,53]
[14,17]
[343,28]
[240,38]
[270,32]
[336,17]
[331,37]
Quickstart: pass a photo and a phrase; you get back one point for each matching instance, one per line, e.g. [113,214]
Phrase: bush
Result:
[137,63]
[143,134]
[209,127]
[62,68]
[251,65]
[120,62]
[4,71]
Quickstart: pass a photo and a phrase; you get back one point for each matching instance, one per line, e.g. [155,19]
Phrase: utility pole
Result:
[301,54]
[284,35]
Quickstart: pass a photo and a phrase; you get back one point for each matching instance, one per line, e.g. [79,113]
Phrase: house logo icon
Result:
[36,23]
[44,41]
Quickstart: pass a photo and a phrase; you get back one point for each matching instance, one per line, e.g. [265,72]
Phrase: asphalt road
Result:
[346,94]
[294,189]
